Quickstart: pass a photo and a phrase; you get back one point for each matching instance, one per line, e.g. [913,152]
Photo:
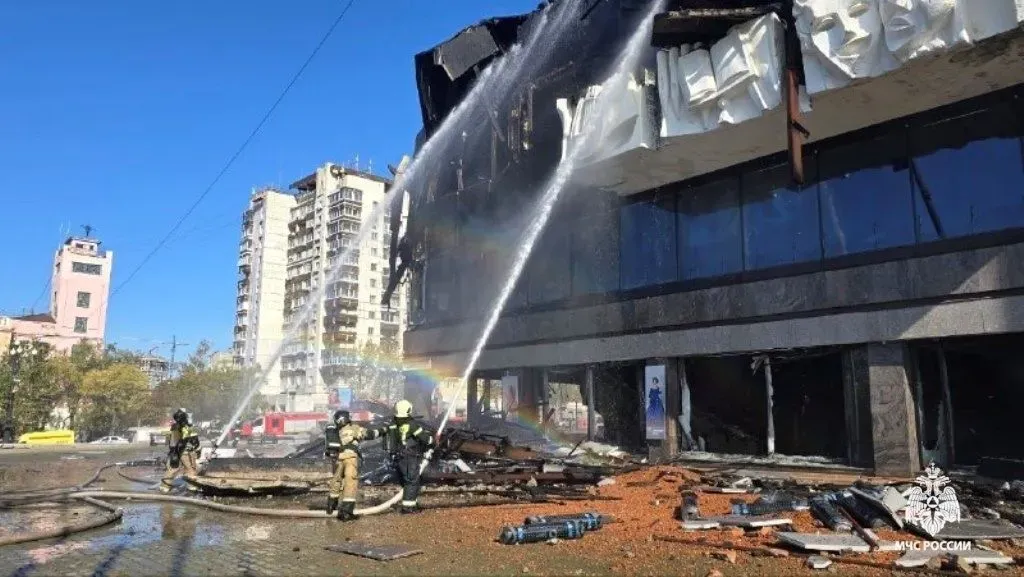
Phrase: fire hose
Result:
[114,514]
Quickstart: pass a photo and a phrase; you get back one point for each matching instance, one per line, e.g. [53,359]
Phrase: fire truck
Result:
[274,425]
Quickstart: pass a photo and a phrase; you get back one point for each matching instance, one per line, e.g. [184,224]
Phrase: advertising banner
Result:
[654,397]
[340,398]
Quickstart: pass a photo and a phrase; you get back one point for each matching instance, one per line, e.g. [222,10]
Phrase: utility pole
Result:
[174,349]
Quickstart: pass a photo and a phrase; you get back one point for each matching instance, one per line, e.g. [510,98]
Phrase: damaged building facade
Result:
[800,229]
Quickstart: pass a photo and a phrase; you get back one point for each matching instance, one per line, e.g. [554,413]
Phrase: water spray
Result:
[503,71]
[547,201]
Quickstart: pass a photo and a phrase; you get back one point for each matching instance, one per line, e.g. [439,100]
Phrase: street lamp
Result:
[16,352]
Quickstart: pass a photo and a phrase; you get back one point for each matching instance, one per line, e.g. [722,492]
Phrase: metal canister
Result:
[541,532]
[591,521]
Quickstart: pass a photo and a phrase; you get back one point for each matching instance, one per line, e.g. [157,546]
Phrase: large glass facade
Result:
[780,222]
[648,243]
[916,183]
[865,196]
[710,235]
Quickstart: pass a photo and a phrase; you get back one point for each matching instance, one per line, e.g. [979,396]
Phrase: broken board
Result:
[832,542]
[748,522]
[972,530]
[375,552]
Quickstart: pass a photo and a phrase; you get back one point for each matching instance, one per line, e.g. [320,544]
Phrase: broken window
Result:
[969,174]
[728,405]
[808,404]
[865,196]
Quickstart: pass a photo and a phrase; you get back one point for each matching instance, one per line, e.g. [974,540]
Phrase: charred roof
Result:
[705,21]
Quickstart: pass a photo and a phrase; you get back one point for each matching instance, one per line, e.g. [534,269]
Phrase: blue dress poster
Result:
[654,399]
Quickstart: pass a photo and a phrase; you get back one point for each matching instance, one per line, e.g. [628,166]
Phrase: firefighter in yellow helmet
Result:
[183,451]
[407,441]
[343,444]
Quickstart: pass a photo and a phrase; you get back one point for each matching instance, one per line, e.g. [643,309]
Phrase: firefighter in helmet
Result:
[408,442]
[183,451]
[343,437]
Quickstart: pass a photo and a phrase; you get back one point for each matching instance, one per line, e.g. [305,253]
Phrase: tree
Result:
[114,397]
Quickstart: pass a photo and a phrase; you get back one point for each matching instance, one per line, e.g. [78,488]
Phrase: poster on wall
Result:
[510,393]
[654,397]
[340,398]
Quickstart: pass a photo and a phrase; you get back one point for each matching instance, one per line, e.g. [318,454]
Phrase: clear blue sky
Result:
[118,114]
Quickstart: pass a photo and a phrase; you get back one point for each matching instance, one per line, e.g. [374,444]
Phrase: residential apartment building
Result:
[812,246]
[332,308]
[80,291]
[262,269]
[157,369]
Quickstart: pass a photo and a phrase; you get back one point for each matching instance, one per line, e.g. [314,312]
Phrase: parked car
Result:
[110,440]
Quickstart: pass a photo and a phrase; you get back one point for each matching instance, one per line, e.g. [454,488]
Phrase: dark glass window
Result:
[648,243]
[710,241]
[595,252]
[780,222]
[968,175]
[441,221]
[550,270]
[442,286]
[865,196]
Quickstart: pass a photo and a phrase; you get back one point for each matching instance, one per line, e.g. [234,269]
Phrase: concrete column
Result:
[472,401]
[545,404]
[591,403]
[893,417]
[857,400]
[485,402]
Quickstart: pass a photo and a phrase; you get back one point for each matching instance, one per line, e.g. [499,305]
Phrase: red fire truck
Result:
[274,425]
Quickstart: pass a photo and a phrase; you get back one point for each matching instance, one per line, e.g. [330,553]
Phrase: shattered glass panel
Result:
[865,196]
[970,177]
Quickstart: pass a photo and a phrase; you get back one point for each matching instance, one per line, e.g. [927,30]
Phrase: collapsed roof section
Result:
[446,72]
[706,21]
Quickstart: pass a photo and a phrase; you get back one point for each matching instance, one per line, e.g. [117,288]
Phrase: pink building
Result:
[78,302]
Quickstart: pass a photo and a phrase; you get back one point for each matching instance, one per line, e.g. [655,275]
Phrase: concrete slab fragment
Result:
[818,562]
[750,522]
[917,558]
[983,557]
[818,542]
[973,530]
[375,552]
[700,525]
[727,490]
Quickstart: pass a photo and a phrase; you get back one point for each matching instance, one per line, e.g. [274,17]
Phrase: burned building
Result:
[804,220]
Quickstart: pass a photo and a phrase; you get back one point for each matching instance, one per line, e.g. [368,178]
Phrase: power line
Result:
[238,152]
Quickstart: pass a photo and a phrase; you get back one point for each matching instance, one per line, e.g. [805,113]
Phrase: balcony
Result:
[245,259]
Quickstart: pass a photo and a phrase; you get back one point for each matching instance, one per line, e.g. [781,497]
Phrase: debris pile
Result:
[464,457]
[923,519]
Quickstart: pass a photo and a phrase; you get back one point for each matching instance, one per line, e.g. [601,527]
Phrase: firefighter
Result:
[183,450]
[343,446]
[407,442]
